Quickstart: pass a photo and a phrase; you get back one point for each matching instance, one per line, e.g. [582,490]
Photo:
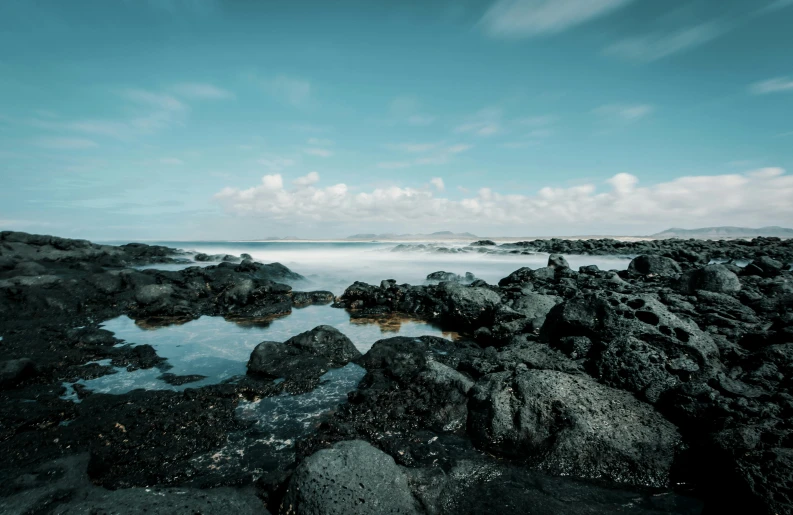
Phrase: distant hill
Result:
[440,235]
[712,233]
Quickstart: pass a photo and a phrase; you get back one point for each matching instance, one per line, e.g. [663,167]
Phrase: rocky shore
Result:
[663,388]
[691,251]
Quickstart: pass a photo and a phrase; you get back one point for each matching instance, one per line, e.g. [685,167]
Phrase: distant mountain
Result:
[440,235]
[712,233]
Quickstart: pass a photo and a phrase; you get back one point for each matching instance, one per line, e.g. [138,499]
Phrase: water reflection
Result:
[217,350]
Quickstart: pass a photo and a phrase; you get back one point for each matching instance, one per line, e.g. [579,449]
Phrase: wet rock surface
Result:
[309,354]
[663,388]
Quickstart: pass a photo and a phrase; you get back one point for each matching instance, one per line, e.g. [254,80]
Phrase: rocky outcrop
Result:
[571,425]
[311,353]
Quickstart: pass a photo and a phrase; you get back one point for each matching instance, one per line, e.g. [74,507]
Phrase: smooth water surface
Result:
[334,266]
[219,350]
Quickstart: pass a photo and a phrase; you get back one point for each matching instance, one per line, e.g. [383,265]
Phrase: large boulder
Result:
[437,393]
[310,353]
[638,344]
[441,276]
[713,278]
[13,371]
[572,425]
[535,306]
[518,277]
[764,266]
[557,261]
[469,306]
[352,477]
[654,265]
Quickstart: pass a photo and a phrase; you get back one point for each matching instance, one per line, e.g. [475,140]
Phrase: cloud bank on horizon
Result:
[755,198]
[215,119]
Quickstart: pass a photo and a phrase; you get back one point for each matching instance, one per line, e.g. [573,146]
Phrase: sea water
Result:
[333,266]
[219,349]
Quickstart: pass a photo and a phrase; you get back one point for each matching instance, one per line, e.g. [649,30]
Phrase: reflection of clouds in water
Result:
[219,349]
[400,326]
[335,265]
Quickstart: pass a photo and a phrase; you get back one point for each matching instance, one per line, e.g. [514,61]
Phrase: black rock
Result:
[572,425]
[13,371]
[557,261]
[311,354]
[349,478]
[654,265]
[714,278]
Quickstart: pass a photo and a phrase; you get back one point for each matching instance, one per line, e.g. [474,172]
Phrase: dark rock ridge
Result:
[662,388]
[694,358]
[686,252]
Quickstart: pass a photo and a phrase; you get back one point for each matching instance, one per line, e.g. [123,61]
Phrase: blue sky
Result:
[211,119]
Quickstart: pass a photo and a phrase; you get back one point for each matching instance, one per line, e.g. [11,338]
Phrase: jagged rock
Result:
[572,425]
[311,353]
[443,276]
[639,344]
[764,266]
[557,261]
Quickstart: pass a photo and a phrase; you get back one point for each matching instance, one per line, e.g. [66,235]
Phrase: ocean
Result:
[334,265]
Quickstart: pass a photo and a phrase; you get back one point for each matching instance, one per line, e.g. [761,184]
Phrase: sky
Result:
[243,119]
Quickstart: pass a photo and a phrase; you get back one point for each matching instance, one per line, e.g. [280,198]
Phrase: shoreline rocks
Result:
[660,387]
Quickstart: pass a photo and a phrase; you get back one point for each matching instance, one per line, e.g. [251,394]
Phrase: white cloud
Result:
[319,152]
[292,90]
[65,143]
[624,112]
[433,154]
[756,198]
[438,183]
[151,111]
[413,148]
[276,163]
[538,121]
[408,110]
[775,85]
[152,99]
[484,123]
[525,18]
[201,91]
[307,180]
[775,6]
[393,165]
[317,142]
[656,46]
[171,161]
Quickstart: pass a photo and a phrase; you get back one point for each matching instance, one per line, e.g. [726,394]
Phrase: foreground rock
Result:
[638,386]
[573,426]
[310,353]
[349,478]
[61,487]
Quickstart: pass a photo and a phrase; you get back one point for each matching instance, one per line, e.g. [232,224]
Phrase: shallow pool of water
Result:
[219,350]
